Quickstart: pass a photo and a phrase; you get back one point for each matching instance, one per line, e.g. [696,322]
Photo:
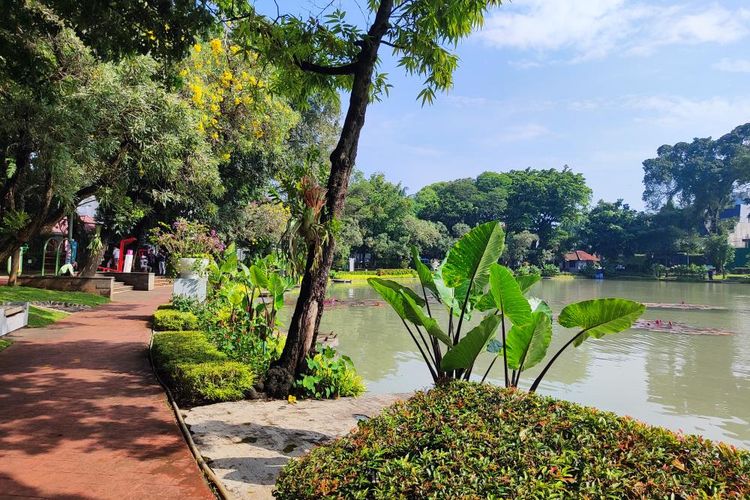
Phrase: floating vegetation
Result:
[684,307]
[676,327]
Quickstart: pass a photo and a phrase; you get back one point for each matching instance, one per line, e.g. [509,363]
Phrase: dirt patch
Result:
[247,443]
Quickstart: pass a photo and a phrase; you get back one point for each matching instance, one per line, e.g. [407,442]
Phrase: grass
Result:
[466,440]
[28,294]
[39,318]
[4,344]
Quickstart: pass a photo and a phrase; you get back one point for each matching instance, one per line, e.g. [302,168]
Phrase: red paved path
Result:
[81,415]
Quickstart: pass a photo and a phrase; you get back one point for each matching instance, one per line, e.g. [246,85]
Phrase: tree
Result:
[719,252]
[75,128]
[611,229]
[518,246]
[331,54]
[541,200]
[700,175]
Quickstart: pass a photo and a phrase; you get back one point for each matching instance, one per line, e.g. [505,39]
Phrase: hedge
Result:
[196,371]
[173,320]
[466,440]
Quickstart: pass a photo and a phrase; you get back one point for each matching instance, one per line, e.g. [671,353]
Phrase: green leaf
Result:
[398,287]
[526,282]
[391,293]
[258,277]
[230,262]
[431,326]
[508,296]
[463,354]
[600,317]
[485,302]
[424,273]
[470,258]
[538,304]
[527,343]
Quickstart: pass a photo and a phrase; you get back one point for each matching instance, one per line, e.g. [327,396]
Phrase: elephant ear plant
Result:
[514,328]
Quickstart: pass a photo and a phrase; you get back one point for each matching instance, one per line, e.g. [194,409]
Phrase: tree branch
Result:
[346,69]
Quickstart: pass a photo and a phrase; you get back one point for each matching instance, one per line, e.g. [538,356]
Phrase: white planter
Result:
[190,267]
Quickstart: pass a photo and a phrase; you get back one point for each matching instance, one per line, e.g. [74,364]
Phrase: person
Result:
[116,257]
[161,259]
[144,263]
[68,269]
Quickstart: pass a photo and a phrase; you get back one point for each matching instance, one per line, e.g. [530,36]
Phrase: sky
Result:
[597,85]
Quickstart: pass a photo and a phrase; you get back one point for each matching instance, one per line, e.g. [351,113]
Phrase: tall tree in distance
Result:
[327,54]
[700,175]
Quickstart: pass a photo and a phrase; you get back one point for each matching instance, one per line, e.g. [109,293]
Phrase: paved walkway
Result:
[81,415]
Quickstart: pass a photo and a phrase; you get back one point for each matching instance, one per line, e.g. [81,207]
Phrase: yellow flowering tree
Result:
[238,113]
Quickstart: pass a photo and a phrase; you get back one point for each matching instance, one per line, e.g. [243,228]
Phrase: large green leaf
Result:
[600,317]
[391,293]
[398,287]
[470,258]
[424,273]
[527,281]
[447,294]
[463,354]
[508,297]
[527,343]
[430,325]
[230,260]
[258,277]
[538,304]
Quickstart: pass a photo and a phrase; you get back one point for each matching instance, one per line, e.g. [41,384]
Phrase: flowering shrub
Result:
[187,239]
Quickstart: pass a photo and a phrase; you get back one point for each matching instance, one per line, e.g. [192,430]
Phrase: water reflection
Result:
[686,382]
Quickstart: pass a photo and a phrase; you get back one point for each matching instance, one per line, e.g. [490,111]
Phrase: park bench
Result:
[13,316]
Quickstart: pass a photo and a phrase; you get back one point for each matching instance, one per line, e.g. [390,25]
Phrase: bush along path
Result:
[81,415]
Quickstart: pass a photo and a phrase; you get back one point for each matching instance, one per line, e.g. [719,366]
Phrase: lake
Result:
[693,383]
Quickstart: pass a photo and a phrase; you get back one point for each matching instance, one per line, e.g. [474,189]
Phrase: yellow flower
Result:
[226,78]
[197,47]
[197,94]
[184,72]
[226,156]
[216,47]
[291,399]
[237,100]
[215,108]
[234,49]
[200,127]
[215,136]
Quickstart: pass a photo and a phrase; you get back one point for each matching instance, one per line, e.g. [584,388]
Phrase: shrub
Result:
[196,371]
[531,270]
[212,381]
[330,376]
[466,440]
[172,320]
[550,270]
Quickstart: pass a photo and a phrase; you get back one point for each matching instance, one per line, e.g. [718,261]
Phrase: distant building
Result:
[740,214]
[577,260]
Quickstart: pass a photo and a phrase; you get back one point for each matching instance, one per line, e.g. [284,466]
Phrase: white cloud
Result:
[733,65]
[592,29]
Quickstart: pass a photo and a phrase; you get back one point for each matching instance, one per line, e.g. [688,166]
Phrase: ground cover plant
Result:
[468,440]
[470,281]
[4,344]
[330,376]
[29,294]
[196,371]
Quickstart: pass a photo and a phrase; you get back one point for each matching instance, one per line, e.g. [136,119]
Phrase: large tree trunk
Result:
[303,328]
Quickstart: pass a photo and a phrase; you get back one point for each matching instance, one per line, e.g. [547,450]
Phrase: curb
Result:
[213,480]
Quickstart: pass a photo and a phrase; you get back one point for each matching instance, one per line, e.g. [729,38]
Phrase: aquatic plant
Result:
[471,281]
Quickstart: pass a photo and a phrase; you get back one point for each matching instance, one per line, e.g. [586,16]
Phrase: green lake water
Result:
[693,383]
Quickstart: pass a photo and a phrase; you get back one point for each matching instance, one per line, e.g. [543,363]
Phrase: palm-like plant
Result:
[471,281]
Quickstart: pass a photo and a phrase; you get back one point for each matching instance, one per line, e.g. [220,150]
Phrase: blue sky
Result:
[598,85]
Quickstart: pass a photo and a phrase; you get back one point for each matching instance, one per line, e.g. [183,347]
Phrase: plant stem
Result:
[544,372]
[426,360]
[488,369]
[505,352]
